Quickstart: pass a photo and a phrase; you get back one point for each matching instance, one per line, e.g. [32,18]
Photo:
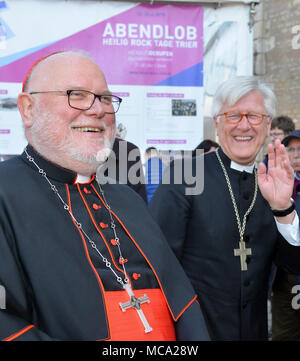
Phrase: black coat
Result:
[123,165]
[53,278]
[202,230]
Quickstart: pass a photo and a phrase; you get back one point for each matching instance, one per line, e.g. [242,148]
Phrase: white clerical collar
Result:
[82,178]
[241,168]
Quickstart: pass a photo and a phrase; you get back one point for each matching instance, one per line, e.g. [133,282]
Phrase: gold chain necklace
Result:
[242,252]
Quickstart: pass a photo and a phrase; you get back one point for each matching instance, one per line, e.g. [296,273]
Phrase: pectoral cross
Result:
[136,303]
[243,252]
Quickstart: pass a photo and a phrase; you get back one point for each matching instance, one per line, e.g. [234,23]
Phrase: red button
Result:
[136,276]
[103,225]
[122,260]
[86,191]
[96,206]
[113,242]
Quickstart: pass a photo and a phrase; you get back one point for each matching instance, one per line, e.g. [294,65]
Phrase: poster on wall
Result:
[152,56]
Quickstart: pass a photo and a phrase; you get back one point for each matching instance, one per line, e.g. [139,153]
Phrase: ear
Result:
[25,105]
[269,126]
[216,124]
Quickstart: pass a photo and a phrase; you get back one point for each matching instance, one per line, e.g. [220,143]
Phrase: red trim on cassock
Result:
[18,334]
[127,326]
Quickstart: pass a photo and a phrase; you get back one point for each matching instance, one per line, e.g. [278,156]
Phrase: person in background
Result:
[124,163]
[281,127]
[285,316]
[154,168]
[227,236]
[207,145]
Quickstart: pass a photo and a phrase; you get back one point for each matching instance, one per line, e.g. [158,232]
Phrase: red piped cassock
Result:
[58,288]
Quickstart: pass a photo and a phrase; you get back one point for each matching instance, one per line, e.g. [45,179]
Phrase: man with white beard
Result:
[80,260]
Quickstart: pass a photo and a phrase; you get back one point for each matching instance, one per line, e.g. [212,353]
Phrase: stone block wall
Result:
[277,52]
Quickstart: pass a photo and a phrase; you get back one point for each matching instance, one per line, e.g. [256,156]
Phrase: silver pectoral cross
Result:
[136,303]
[243,252]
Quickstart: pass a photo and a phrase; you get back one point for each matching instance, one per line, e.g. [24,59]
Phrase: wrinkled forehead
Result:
[65,71]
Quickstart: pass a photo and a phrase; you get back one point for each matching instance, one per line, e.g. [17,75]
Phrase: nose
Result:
[243,123]
[97,109]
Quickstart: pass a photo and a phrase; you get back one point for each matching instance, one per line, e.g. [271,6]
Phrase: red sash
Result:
[127,326]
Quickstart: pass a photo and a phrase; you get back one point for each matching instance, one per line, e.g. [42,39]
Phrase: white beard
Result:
[44,139]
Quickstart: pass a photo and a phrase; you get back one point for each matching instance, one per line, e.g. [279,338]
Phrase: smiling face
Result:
[241,142]
[69,137]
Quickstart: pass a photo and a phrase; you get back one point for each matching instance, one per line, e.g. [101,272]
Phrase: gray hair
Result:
[233,89]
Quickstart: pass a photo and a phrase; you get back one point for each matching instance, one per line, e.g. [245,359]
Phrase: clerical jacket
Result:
[56,285]
[202,231]
[123,164]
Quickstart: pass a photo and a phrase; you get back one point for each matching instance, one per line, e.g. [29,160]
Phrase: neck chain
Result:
[133,302]
[79,225]
[241,226]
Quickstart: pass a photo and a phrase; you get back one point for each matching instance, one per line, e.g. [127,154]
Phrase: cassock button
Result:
[244,175]
[136,276]
[246,196]
[247,283]
[86,191]
[113,242]
[122,260]
[103,225]
[96,206]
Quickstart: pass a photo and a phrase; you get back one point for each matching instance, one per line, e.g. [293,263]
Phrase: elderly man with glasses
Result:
[79,259]
[227,236]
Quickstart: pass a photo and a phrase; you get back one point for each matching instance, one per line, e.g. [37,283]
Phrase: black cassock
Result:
[54,280]
[202,231]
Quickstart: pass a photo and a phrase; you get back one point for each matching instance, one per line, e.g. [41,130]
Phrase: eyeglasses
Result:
[84,99]
[292,150]
[276,135]
[235,118]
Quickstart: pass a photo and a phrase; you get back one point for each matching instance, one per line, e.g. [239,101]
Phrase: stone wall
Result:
[277,52]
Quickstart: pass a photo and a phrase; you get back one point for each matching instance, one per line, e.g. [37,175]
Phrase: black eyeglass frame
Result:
[68,93]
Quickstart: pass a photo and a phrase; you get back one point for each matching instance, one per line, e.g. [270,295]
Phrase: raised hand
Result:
[276,185]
